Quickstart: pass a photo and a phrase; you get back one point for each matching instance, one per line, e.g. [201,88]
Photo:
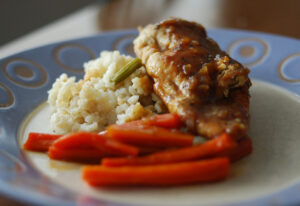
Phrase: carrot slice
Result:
[40,141]
[149,136]
[79,140]
[164,120]
[75,154]
[151,150]
[168,120]
[115,147]
[99,141]
[163,175]
[222,143]
[243,149]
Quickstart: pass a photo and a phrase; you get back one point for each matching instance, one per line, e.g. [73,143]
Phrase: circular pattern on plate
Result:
[24,72]
[124,44]
[71,56]
[6,96]
[289,69]
[249,51]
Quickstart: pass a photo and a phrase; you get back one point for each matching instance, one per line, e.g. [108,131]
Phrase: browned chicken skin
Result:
[194,78]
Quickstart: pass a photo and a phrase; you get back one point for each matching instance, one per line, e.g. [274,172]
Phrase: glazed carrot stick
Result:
[164,175]
[76,155]
[222,143]
[151,150]
[77,140]
[243,149]
[149,136]
[115,147]
[168,120]
[99,141]
[40,141]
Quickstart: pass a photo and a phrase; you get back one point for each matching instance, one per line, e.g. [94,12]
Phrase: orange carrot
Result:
[99,141]
[163,175]
[115,147]
[40,141]
[243,149]
[222,143]
[78,140]
[163,120]
[151,150]
[149,136]
[76,155]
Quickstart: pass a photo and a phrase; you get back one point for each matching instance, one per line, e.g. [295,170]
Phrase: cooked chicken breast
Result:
[195,78]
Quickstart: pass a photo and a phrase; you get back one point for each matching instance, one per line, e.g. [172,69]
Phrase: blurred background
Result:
[274,16]
[18,18]
[29,23]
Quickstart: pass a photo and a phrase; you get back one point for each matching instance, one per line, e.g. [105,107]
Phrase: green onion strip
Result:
[128,69]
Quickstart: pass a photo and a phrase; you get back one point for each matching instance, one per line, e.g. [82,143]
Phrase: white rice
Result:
[95,102]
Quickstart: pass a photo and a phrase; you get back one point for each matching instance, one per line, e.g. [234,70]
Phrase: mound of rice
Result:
[95,102]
